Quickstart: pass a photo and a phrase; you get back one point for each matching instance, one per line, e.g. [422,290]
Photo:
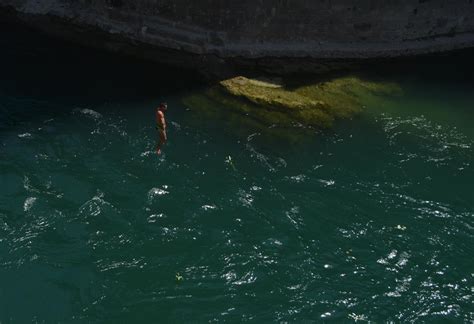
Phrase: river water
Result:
[371,221]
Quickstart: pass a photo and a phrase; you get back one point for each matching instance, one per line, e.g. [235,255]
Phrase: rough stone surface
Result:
[260,32]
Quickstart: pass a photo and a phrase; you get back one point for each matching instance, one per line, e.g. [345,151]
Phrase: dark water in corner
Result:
[370,222]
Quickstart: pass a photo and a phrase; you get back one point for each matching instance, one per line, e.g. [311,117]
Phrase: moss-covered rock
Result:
[266,104]
[268,94]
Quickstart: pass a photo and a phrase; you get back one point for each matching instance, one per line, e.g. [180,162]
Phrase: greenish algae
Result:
[269,94]
[268,106]
[343,96]
[276,104]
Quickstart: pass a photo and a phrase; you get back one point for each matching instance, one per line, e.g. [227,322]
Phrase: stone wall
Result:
[250,29]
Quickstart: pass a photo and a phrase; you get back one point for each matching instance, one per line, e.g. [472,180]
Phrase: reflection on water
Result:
[371,221]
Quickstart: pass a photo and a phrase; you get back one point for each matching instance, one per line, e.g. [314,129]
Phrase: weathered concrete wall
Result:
[272,28]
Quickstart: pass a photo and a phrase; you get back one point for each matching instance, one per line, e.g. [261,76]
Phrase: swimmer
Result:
[161,125]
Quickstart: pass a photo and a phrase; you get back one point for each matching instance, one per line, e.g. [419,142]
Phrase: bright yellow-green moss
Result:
[268,94]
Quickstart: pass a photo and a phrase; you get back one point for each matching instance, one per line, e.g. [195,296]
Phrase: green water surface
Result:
[371,221]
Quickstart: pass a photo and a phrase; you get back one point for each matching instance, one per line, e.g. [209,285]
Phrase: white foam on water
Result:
[292,215]
[403,260]
[95,206]
[156,192]
[357,317]
[154,217]
[245,198]
[147,153]
[29,202]
[25,135]
[208,207]
[298,178]
[327,183]
[402,286]
[28,186]
[248,278]
[392,254]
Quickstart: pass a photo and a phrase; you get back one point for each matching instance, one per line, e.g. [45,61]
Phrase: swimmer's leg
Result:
[162,141]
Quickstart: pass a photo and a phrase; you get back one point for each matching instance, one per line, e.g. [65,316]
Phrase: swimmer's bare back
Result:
[161,126]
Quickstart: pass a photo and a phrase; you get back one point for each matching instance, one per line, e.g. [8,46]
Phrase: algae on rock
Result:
[263,104]
[269,94]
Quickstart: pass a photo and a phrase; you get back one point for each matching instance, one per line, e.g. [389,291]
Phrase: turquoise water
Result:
[371,221]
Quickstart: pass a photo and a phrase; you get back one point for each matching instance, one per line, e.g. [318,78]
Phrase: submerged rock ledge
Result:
[266,105]
[278,36]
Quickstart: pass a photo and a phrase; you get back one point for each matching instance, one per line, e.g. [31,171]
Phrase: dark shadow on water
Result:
[41,74]
[39,66]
